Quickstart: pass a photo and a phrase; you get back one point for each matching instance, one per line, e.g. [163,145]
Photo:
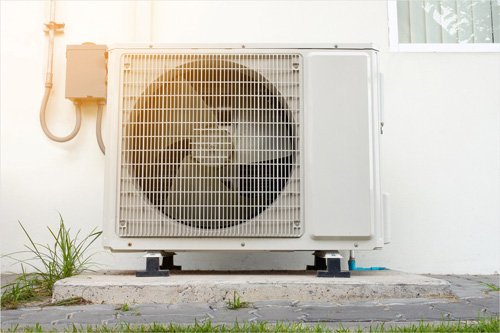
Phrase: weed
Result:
[236,303]
[25,287]
[492,286]
[64,258]
[124,308]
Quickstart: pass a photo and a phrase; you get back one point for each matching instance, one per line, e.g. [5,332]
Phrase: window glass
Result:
[448,21]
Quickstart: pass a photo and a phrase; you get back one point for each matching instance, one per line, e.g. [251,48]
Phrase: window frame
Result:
[395,46]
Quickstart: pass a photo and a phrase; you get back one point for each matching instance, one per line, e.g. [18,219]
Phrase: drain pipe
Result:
[353,267]
[51,28]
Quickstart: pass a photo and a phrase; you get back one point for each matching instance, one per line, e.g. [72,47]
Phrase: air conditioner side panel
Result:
[112,168]
[338,148]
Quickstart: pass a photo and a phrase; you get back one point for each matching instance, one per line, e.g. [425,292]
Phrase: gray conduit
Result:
[98,127]
[43,122]
[52,26]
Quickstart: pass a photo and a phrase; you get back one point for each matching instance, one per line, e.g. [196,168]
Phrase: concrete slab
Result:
[465,310]
[348,313]
[416,312]
[466,286]
[216,288]
[227,316]
[490,303]
[281,314]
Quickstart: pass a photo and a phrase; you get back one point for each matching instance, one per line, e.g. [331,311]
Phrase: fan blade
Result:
[160,132]
[264,180]
[198,196]
[257,137]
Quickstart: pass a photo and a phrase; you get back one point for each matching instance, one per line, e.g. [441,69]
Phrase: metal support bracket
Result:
[152,266]
[168,261]
[56,27]
[332,265]
[319,263]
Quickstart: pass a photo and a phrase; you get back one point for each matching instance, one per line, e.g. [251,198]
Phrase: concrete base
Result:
[212,287]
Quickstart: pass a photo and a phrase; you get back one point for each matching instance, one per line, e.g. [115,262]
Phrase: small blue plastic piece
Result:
[352,267]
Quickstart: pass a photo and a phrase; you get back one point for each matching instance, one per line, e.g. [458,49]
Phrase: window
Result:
[444,25]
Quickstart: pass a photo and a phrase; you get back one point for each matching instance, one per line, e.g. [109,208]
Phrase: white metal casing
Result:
[341,206]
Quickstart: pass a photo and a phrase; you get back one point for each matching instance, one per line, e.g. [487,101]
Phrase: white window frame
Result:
[395,46]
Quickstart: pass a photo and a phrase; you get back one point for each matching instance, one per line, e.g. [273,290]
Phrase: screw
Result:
[242,244]
[129,244]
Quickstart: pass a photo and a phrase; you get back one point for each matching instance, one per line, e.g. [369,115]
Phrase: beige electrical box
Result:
[86,72]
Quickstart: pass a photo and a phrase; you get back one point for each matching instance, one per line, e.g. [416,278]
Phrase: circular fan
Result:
[213,143]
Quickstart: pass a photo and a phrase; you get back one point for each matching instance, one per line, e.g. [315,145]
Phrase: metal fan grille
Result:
[210,145]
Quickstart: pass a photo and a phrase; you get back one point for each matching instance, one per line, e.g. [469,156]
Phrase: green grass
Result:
[127,308]
[25,287]
[66,256]
[236,303]
[124,308]
[492,286]
[481,325]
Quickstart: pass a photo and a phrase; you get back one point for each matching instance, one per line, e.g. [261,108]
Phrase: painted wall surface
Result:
[440,153]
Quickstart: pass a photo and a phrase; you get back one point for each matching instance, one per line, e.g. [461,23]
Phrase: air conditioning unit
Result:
[243,147]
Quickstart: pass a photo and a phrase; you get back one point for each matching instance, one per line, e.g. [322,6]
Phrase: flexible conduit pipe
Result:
[52,26]
[98,127]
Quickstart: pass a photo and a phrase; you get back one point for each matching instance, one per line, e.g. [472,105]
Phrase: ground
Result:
[474,299]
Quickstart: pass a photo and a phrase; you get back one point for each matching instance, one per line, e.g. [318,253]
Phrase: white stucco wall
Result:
[440,154]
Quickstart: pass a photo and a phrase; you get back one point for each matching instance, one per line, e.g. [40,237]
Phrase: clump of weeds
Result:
[124,308]
[236,302]
[66,256]
[492,286]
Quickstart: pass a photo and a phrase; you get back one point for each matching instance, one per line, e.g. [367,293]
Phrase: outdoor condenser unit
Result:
[243,147]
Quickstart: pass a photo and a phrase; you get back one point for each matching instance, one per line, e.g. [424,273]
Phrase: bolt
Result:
[242,244]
